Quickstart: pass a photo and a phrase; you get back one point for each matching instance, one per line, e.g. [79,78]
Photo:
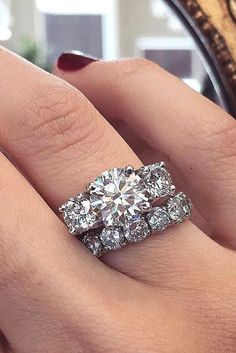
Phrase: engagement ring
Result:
[125,205]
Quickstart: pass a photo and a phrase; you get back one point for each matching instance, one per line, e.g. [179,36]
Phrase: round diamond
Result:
[93,243]
[78,214]
[158,219]
[136,231]
[112,238]
[157,180]
[179,207]
[118,195]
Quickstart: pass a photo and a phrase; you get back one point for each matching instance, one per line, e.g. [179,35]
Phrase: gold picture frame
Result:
[213,24]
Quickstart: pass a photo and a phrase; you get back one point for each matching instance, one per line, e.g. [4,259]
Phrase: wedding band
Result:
[120,206]
[173,211]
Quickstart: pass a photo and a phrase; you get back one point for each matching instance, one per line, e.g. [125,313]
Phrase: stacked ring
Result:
[124,205]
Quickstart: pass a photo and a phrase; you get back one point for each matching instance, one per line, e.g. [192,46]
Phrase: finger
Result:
[46,282]
[59,140]
[53,132]
[197,137]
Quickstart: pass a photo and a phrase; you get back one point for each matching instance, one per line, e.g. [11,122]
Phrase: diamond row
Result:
[173,211]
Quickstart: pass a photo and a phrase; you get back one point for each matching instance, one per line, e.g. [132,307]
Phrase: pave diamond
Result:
[158,219]
[179,207]
[78,214]
[157,180]
[118,194]
[112,238]
[136,231]
[93,243]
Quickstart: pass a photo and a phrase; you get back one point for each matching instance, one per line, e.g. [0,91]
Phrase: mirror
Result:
[159,30]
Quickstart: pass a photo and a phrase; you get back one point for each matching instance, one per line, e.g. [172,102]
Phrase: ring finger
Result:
[197,137]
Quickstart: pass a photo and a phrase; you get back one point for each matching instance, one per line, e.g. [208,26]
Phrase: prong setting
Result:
[128,170]
[146,206]
[162,164]
[172,190]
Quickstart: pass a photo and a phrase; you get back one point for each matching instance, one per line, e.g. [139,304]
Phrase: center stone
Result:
[118,196]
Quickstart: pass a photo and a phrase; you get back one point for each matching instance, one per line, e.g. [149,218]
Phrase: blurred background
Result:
[40,30]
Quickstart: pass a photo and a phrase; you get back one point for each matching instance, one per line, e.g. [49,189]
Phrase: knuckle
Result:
[56,117]
[224,138]
[128,68]
[218,147]
[217,134]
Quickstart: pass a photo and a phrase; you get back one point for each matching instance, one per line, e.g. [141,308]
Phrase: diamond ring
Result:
[120,201]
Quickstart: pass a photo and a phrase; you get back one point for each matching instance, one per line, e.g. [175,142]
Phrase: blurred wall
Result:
[136,20]
[26,22]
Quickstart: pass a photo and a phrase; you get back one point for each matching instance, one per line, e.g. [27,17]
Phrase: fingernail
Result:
[74,61]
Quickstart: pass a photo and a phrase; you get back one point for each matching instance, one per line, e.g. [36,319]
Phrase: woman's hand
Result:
[172,293]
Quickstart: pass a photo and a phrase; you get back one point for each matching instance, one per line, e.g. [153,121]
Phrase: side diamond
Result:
[112,238]
[78,215]
[158,219]
[157,180]
[179,207]
[93,243]
[136,231]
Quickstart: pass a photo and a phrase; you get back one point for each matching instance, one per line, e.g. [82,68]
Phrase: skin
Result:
[173,293]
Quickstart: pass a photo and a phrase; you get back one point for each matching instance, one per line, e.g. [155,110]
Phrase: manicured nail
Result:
[74,61]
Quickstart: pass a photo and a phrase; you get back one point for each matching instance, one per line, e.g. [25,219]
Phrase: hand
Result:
[173,293]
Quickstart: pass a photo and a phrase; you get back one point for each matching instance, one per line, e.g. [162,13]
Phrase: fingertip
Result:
[73,61]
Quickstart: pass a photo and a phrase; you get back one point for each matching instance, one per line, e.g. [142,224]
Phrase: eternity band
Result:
[174,211]
[125,205]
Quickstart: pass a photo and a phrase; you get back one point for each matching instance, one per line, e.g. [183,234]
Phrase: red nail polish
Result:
[74,61]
